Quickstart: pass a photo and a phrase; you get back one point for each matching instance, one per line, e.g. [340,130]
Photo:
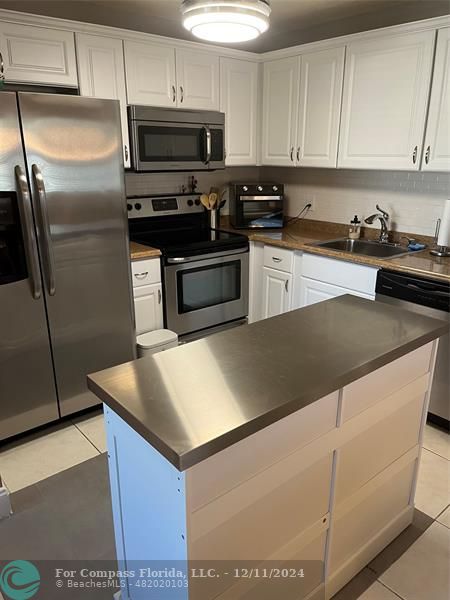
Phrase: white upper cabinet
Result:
[239,102]
[280,101]
[385,100]
[321,80]
[197,79]
[38,55]
[150,71]
[101,73]
[436,155]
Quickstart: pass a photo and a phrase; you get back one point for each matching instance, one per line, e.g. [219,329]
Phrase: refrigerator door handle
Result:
[48,251]
[28,232]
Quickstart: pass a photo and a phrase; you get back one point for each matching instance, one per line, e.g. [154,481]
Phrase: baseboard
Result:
[362,558]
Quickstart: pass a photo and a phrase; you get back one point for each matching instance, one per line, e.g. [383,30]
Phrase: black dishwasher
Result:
[430,297]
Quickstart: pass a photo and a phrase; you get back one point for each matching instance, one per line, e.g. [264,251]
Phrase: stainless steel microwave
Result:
[168,139]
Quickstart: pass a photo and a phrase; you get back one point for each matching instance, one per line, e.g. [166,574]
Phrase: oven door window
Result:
[201,287]
[162,143]
[256,212]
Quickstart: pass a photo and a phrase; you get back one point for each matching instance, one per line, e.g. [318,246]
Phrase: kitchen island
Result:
[296,439]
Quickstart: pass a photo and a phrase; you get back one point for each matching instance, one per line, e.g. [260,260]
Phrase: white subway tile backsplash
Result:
[414,200]
[140,184]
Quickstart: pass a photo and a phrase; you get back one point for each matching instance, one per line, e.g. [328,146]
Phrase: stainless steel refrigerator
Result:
[65,301]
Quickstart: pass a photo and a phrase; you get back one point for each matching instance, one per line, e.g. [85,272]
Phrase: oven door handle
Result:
[208,144]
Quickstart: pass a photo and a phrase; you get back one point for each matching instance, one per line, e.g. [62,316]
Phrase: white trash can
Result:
[156,341]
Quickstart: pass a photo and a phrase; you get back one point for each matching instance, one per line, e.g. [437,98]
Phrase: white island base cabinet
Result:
[327,487]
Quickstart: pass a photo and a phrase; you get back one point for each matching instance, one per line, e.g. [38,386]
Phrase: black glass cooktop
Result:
[190,242]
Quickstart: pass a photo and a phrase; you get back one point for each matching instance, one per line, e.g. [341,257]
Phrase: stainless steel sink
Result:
[364,247]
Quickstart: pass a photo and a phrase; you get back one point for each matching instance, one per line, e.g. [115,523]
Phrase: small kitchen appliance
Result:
[168,139]
[205,271]
[256,205]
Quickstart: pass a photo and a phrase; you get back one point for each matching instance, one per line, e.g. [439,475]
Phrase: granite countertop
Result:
[193,401]
[139,251]
[301,235]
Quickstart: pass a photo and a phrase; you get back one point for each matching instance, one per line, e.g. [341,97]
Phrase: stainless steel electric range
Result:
[205,271]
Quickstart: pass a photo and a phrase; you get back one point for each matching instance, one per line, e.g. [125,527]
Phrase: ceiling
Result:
[292,21]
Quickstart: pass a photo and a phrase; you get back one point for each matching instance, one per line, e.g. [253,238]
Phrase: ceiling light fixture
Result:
[226,21]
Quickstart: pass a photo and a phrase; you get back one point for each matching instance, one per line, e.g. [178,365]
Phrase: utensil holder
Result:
[214,218]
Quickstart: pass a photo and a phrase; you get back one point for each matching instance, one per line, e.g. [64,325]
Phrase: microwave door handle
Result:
[208,144]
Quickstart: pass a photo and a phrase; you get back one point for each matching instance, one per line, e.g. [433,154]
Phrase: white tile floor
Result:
[422,572]
[60,447]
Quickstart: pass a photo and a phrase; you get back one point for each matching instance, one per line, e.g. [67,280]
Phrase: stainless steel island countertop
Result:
[193,401]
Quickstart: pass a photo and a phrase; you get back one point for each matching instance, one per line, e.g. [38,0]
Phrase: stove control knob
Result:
[260,188]
[245,188]
[275,188]
[197,202]
[129,207]
[190,203]
[138,206]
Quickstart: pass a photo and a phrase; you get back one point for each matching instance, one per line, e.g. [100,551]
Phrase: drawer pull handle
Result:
[159,296]
[286,285]
[276,259]
[141,275]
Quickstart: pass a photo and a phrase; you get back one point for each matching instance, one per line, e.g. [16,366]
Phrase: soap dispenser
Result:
[354,231]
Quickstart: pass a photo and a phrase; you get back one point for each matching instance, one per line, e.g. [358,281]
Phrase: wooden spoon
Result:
[204,199]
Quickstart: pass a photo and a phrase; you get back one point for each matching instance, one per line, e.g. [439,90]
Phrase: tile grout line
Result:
[391,590]
[436,454]
[85,436]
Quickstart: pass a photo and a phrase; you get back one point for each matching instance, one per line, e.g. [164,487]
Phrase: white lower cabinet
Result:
[148,308]
[147,293]
[312,291]
[323,278]
[277,292]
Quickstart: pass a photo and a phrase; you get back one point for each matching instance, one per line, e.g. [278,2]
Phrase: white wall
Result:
[414,200]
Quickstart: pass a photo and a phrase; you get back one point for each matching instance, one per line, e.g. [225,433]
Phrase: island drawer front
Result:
[257,588]
[145,272]
[227,469]
[352,276]
[279,258]
[375,449]
[383,382]
[230,527]
[358,526]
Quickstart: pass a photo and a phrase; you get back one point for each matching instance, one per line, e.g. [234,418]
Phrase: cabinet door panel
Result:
[437,140]
[38,55]
[312,291]
[321,81]
[277,288]
[279,111]
[150,70]
[385,100]
[239,102]
[198,80]
[101,72]
[148,308]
